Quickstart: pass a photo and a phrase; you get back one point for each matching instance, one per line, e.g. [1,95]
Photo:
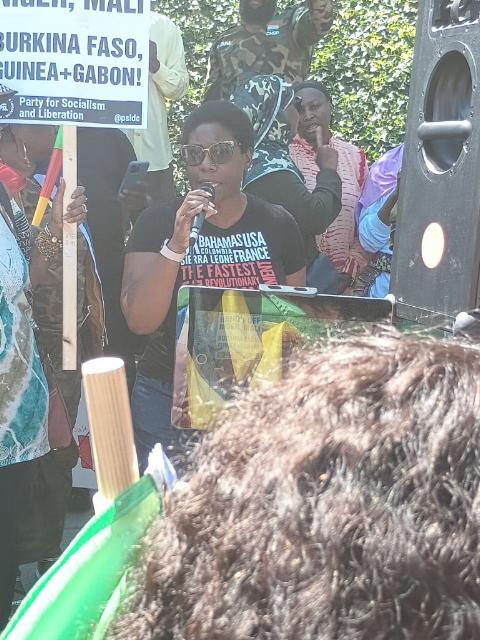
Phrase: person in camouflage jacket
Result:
[267,43]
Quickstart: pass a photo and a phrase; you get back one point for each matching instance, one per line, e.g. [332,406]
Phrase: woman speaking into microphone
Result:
[242,243]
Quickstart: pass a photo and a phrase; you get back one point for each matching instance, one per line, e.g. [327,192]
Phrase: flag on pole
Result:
[78,596]
[241,342]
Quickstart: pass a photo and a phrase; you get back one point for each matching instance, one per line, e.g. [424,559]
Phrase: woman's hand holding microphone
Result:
[195,202]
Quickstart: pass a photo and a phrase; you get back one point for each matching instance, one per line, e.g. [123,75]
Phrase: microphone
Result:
[199,219]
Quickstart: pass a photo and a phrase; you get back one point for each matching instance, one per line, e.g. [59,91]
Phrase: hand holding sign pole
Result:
[69,330]
[91,73]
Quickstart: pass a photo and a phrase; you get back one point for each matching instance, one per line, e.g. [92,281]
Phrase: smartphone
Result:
[134,175]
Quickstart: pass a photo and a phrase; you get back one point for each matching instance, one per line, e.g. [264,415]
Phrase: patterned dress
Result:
[23,388]
[340,242]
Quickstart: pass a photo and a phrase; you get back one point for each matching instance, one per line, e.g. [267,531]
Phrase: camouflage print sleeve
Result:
[311,21]
[213,83]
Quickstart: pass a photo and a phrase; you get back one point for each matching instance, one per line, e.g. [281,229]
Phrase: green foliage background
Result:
[365,60]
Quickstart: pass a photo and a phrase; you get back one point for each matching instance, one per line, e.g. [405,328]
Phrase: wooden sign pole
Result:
[69,354]
[108,407]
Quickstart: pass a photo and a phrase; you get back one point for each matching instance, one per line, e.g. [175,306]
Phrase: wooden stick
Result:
[69,355]
[110,420]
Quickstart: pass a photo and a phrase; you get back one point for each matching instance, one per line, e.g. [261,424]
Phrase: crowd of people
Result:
[316,215]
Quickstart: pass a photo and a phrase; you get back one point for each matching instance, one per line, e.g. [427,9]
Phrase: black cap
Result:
[314,84]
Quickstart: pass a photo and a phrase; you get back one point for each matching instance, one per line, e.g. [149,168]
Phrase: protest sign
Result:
[74,63]
[81,62]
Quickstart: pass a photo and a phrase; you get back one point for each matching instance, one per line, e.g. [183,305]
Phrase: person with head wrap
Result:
[266,42]
[269,102]
[340,242]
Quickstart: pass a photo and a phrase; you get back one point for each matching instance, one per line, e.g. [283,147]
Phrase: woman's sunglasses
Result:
[219,153]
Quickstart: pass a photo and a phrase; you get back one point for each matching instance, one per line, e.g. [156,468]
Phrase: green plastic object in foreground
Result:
[79,595]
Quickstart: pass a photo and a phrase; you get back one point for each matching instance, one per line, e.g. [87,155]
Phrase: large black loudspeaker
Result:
[436,262]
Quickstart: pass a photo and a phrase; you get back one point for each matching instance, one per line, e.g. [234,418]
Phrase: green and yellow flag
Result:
[78,597]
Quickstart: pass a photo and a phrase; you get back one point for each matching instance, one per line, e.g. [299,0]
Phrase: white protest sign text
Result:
[82,62]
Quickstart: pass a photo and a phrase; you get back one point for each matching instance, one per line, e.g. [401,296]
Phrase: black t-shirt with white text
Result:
[262,247]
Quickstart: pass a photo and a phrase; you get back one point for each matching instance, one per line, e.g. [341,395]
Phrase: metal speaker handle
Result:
[458,129]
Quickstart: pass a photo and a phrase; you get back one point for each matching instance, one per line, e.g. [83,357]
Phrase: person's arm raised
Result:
[327,157]
[149,278]
[312,22]
[321,15]
[373,232]
[167,60]
[386,211]
[314,211]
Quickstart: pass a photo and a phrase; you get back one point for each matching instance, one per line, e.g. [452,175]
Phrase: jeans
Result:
[321,274]
[151,414]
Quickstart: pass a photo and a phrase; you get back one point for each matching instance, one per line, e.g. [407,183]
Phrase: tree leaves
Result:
[365,60]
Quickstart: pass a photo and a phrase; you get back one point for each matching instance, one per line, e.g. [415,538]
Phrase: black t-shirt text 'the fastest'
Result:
[262,247]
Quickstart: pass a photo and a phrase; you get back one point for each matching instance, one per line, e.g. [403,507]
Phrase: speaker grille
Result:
[448,98]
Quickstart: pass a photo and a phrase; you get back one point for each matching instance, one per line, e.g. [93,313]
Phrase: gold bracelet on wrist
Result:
[47,244]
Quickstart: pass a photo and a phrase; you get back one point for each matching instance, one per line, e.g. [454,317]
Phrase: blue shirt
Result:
[374,236]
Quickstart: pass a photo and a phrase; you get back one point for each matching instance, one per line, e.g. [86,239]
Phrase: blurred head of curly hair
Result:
[341,503]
